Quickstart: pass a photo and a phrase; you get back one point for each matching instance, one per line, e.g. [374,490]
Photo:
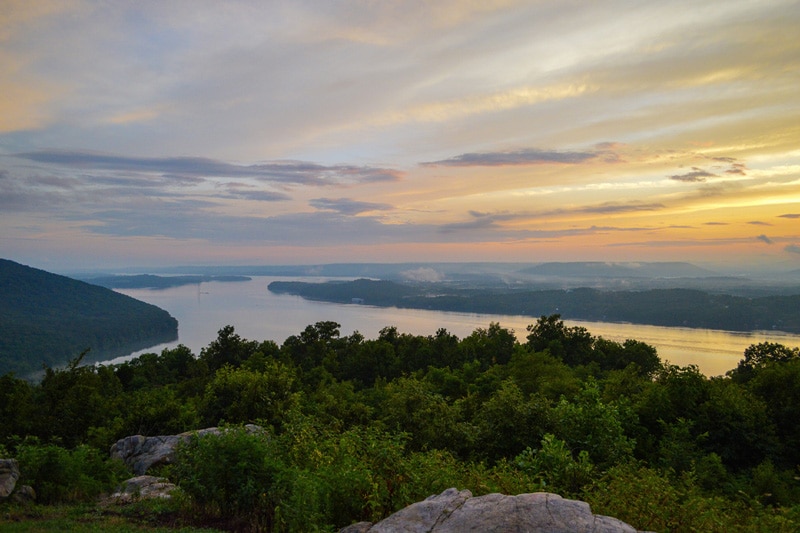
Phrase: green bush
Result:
[59,475]
[655,501]
[232,476]
[554,467]
[341,476]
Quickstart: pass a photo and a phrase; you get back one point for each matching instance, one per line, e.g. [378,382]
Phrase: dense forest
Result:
[47,319]
[356,428]
[658,307]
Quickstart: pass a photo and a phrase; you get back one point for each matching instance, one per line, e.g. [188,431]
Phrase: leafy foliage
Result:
[354,429]
[59,475]
[233,474]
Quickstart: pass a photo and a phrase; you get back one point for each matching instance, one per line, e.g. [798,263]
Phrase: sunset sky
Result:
[192,132]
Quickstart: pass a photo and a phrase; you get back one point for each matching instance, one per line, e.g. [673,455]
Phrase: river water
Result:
[257,314]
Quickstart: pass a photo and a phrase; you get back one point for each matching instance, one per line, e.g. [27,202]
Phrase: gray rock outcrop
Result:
[9,489]
[141,453]
[143,487]
[9,474]
[455,511]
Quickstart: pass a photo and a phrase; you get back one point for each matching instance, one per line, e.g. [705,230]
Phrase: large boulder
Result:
[141,453]
[9,474]
[9,489]
[455,511]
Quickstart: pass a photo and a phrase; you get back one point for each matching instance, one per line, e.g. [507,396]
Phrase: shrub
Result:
[554,467]
[232,475]
[59,475]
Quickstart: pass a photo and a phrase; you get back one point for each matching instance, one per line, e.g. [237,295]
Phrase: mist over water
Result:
[257,314]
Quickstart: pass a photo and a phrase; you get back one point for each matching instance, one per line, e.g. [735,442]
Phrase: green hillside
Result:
[50,319]
[659,307]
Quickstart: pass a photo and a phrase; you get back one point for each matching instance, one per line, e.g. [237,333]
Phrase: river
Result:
[257,314]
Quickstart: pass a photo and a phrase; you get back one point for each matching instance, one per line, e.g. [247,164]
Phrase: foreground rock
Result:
[143,487]
[456,511]
[141,453]
[9,474]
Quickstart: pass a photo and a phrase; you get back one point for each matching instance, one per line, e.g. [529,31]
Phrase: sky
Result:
[193,132]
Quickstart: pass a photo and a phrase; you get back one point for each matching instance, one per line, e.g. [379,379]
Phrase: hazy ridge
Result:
[660,307]
[49,319]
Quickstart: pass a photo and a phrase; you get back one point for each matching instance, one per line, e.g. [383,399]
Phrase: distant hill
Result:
[660,307]
[596,269]
[149,281]
[50,319]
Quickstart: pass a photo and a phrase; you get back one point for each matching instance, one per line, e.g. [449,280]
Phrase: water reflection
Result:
[258,314]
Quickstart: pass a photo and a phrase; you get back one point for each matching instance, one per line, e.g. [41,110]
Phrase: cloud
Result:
[287,172]
[606,229]
[790,215]
[792,248]
[490,221]
[55,182]
[697,175]
[126,179]
[422,274]
[182,220]
[481,220]
[347,206]
[530,156]
[261,196]
[615,207]
[737,168]
[764,238]
[759,223]
[682,243]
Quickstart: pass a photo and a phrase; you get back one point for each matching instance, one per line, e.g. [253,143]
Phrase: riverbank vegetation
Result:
[658,307]
[355,428]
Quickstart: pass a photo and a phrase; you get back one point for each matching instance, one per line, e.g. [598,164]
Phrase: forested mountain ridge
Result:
[49,319]
[660,307]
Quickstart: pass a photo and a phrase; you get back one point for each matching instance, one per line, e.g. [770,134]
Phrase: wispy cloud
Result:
[696,175]
[347,206]
[287,172]
[483,220]
[763,238]
[790,215]
[616,207]
[530,156]
[792,248]
[737,168]
[260,196]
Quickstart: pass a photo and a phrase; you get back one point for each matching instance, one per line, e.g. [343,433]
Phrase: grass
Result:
[150,517]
